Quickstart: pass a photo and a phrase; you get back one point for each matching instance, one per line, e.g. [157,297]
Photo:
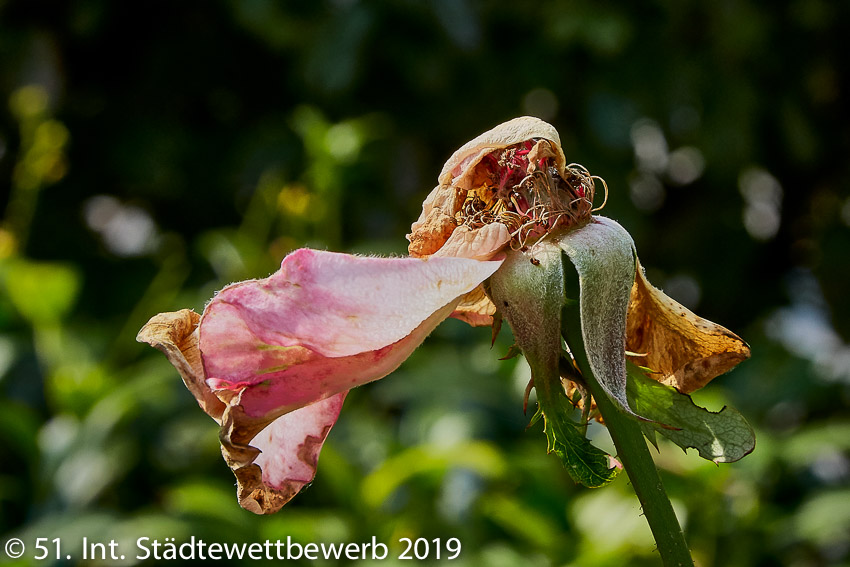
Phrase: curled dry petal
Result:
[460,167]
[273,459]
[175,334]
[686,350]
[475,308]
[271,360]
[438,219]
[436,223]
[475,243]
[437,231]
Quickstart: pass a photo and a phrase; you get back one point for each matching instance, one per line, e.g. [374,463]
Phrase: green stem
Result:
[637,460]
[631,449]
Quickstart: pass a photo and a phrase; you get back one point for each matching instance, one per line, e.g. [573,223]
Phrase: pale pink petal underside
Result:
[291,444]
[320,376]
[328,304]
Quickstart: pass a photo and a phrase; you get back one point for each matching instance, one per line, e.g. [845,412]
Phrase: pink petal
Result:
[321,376]
[290,445]
[282,352]
[325,305]
[274,417]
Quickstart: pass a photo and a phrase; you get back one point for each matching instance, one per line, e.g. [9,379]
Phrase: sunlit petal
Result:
[327,304]
[686,350]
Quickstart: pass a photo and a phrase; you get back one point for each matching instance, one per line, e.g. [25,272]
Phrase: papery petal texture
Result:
[272,360]
[437,222]
[175,334]
[685,350]
[459,166]
[475,243]
[327,304]
[475,309]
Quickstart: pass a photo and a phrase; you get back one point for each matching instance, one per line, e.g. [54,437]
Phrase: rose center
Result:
[520,187]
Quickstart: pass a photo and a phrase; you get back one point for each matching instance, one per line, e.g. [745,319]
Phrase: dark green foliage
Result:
[722,437]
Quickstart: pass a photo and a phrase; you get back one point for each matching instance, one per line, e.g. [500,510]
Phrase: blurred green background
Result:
[152,152]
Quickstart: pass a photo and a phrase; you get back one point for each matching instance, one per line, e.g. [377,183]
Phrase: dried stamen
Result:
[524,191]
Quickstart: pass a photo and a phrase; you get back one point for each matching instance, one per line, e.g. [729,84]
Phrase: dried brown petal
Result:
[436,223]
[457,169]
[238,430]
[543,150]
[475,308]
[175,334]
[687,350]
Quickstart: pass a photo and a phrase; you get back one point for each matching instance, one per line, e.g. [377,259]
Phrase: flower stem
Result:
[628,438]
[637,460]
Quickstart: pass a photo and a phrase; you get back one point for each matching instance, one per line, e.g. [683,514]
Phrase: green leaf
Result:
[587,464]
[649,432]
[722,437]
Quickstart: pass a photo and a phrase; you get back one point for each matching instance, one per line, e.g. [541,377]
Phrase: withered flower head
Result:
[271,360]
[514,175]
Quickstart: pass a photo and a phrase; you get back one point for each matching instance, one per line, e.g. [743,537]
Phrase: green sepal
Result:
[530,295]
[649,432]
[496,327]
[721,437]
[599,270]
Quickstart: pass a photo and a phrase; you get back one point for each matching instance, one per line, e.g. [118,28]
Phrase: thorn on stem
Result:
[527,393]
